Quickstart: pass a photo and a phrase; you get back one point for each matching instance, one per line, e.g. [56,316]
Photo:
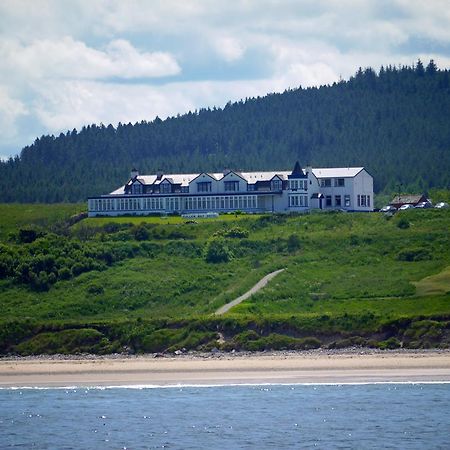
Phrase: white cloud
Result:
[57,59]
[67,58]
[229,48]
[10,110]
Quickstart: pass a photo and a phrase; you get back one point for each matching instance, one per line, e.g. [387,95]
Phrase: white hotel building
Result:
[299,190]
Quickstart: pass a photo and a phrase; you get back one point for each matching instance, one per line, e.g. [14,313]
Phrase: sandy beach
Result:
[277,367]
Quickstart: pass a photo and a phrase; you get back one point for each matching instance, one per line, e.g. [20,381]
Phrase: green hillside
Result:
[153,284]
[394,122]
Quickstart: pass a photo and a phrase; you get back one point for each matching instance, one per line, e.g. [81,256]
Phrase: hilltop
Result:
[151,284]
[394,122]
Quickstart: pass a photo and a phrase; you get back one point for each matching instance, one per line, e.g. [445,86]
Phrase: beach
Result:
[226,369]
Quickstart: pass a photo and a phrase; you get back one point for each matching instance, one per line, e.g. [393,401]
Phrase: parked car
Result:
[406,206]
[424,205]
[441,205]
[388,209]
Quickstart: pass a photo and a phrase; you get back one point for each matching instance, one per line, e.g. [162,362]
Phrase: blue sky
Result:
[65,64]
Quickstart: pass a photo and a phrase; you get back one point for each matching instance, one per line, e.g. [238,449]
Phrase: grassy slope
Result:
[16,215]
[346,265]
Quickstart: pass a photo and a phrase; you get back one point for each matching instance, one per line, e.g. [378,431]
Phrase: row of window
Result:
[337,201]
[327,182]
[295,185]
[298,200]
[175,203]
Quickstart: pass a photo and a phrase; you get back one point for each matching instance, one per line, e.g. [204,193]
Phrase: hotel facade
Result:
[299,190]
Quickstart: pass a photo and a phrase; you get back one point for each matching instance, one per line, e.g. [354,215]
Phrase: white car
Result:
[441,205]
[406,206]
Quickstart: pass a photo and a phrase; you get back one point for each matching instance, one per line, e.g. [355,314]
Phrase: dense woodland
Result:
[394,122]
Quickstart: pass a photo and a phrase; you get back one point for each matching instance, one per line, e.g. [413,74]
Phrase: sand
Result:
[277,367]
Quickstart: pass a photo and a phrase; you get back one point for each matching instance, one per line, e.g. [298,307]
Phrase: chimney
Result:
[308,170]
[159,174]
[134,174]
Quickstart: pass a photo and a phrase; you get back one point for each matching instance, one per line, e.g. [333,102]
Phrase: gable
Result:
[204,176]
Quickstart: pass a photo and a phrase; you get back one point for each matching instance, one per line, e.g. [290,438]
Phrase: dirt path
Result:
[259,285]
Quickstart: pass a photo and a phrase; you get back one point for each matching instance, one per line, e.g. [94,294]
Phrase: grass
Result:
[17,215]
[434,284]
[348,273]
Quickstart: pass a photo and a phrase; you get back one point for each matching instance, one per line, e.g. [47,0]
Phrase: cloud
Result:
[67,58]
[66,64]
[11,109]
[229,48]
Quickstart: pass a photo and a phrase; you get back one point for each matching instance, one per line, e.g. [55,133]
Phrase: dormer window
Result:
[204,186]
[231,186]
[276,185]
[136,188]
[165,188]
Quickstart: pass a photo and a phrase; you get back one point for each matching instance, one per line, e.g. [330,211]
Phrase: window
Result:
[363,200]
[204,186]
[337,200]
[165,188]
[231,186]
[347,200]
[184,189]
[325,182]
[328,200]
[339,182]
[136,188]
[276,185]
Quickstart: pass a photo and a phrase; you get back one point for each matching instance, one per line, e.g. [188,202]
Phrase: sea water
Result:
[364,416]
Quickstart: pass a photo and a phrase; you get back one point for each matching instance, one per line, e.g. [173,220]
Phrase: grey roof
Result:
[407,198]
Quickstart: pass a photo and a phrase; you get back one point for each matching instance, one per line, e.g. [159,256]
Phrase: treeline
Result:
[394,122]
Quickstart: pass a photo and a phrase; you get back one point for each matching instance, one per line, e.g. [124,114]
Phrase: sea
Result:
[301,416]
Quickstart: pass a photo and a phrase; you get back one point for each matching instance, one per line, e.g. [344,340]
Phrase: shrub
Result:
[235,232]
[64,273]
[27,236]
[391,343]
[403,223]
[217,251]
[141,233]
[414,254]
[95,289]
[293,243]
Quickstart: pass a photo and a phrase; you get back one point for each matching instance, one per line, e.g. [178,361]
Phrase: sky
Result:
[65,64]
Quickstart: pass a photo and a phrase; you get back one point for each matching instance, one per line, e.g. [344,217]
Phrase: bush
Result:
[414,254]
[403,223]
[141,233]
[27,236]
[235,232]
[390,344]
[217,251]
[64,273]
[95,289]
[293,243]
